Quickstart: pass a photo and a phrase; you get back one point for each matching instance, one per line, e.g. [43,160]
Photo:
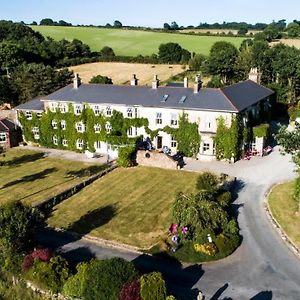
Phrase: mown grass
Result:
[131,206]
[284,207]
[133,42]
[30,177]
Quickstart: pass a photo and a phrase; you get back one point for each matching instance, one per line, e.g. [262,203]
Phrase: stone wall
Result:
[155,159]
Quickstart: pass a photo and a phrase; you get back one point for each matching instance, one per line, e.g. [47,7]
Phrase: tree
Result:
[197,62]
[170,53]
[243,31]
[174,26]
[18,225]
[99,79]
[243,64]
[47,22]
[6,90]
[107,52]
[153,287]
[222,59]
[11,55]
[207,181]
[118,24]
[293,29]
[272,32]
[167,26]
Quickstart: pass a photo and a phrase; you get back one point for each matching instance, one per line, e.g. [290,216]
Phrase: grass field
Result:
[29,176]
[131,206]
[284,208]
[132,42]
[121,73]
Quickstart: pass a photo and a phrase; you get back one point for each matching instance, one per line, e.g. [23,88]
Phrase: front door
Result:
[159,142]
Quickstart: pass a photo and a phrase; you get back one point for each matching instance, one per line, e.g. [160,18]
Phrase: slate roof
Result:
[6,125]
[234,98]
[33,105]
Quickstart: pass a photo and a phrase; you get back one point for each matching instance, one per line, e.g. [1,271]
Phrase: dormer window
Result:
[97,128]
[78,109]
[129,112]
[108,111]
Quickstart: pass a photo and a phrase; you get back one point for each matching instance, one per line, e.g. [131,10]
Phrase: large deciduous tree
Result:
[222,59]
[172,53]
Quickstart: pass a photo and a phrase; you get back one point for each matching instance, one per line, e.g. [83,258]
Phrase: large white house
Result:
[161,105]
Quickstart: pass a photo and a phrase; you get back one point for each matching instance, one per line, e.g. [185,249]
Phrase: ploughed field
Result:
[133,42]
[130,206]
[31,177]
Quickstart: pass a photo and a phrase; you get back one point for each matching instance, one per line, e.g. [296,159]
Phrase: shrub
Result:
[43,254]
[27,263]
[131,291]
[207,248]
[126,156]
[224,199]
[170,298]
[99,79]
[153,286]
[261,130]
[207,182]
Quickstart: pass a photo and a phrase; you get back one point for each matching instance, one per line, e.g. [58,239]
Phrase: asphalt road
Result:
[262,268]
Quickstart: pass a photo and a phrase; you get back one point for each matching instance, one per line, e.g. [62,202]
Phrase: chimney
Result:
[134,80]
[197,85]
[185,82]
[155,82]
[76,81]
[254,75]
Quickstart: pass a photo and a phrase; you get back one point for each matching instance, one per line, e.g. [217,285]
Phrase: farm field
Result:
[131,206]
[28,176]
[216,31]
[284,207]
[132,42]
[121,73]
[288,42]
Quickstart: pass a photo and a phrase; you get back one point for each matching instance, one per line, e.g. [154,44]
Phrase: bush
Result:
[262,130]
[153,286]
[131,291]
[207,182]
[43,255]
[126,156]
[99,79]
[224,199]
[207,248]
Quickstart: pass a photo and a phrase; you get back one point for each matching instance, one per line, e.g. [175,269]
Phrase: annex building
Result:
[60,120]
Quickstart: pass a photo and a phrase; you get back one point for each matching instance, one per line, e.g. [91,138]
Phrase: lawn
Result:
[30,177]
[133,42]
[131,206]
[284,207]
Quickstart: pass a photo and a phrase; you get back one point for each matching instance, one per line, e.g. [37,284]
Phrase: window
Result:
[129,112]
[208,123]
[206,147]
[96,110]
[63,108]
[28,115]
[54,124]
[130,131]
[174,120]
[108,127]
[97,145]
[108,111]
[135,112]
[80,127]
[39,114]
[158,118]
[78,109]
[64,143]
[2,137]
[36,133]
[97,128]
[173,142]
[79,144]
[53,106]
[63,125]
[55,140]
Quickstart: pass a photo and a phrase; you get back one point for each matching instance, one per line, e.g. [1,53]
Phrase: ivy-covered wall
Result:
[187,134]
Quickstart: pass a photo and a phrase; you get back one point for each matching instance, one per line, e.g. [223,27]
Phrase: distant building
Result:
[9,134]
[162,106]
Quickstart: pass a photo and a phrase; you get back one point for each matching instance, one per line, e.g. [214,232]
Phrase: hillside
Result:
[132,42]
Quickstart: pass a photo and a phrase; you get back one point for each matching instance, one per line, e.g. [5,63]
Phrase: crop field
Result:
[121,73]
[131,206]
[133,42]
[289,42]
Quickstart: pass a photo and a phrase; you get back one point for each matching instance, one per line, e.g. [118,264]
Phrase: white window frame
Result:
[205,147]
[80,127]
[36,133]
[39,115]
[108,127]
[130,131]
[130,112]
[63,108]
[63,125]
[96,110]
[64,142]
[108,111]
[96,144]
[173,142]
[54,124]
[97,128]
[28,115]
[2,137]
[53,106]
[55,140]
[158,119]
[208,123]
[78,109]
[79,144]
[174,120]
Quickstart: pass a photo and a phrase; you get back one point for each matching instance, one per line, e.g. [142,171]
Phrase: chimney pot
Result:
[197,85]
[155,82]
[76,81]
[134,80]
[185,82]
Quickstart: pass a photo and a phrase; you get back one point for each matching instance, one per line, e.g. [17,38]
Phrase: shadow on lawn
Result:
[22,159]
[40,175]
[84,172]
[93,219]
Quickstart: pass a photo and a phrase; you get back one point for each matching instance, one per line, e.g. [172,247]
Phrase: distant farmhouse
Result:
[102,118]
